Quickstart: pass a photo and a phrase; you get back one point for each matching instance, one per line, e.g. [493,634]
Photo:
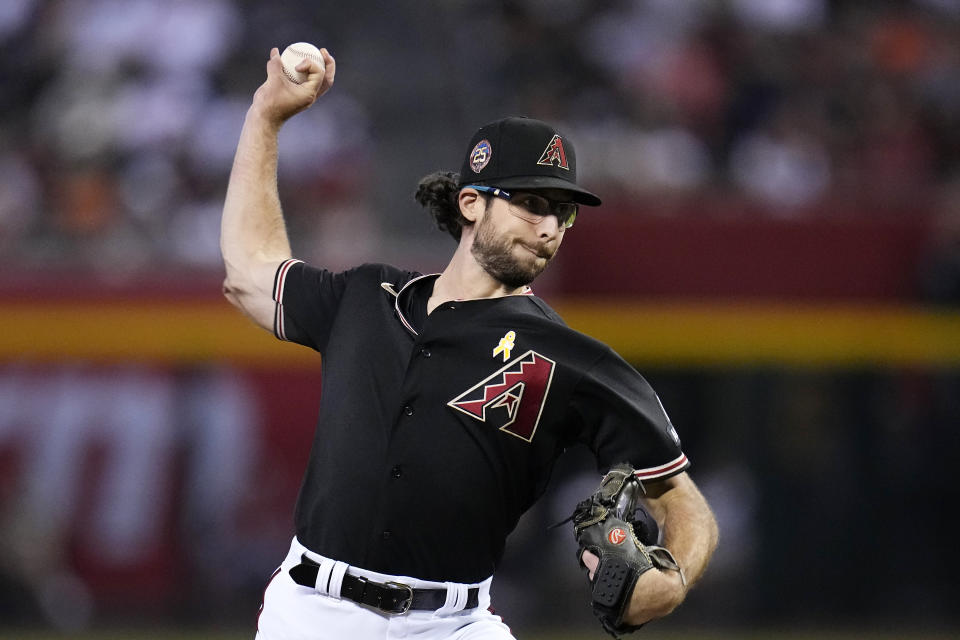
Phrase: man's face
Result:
[513,246]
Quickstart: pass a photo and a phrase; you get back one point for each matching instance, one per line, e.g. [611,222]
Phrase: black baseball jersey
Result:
[436,432]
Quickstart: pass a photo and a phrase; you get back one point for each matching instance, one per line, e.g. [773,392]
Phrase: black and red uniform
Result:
[437,432]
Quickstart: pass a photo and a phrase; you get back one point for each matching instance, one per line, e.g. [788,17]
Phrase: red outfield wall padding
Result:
[635,255]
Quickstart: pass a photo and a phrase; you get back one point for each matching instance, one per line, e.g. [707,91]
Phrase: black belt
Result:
[389,597]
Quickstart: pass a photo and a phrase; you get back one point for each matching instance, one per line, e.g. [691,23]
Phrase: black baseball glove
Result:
[613,525]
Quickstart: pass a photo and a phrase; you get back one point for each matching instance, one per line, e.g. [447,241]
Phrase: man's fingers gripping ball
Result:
[296,58]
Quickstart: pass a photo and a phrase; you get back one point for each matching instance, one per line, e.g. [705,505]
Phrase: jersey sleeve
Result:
[623,420]
[307,300]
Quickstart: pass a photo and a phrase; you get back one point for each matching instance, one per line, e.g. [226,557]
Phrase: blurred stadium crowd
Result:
[158,488]
[119,118]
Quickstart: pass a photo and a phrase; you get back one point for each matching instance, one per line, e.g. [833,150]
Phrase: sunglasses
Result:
[533,208]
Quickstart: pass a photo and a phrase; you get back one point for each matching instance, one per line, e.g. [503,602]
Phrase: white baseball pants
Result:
[294,612]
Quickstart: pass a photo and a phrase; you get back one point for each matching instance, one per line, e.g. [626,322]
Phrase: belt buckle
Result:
[407,601]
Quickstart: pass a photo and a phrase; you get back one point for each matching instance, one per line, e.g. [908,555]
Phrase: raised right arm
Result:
[253,236]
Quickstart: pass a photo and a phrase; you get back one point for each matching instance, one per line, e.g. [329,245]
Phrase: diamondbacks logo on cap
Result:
[554,154]
[480,156]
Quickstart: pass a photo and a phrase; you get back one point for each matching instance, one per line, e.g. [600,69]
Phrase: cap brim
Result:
[580,195]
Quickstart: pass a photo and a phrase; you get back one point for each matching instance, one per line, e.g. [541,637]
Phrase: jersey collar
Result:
[397,294]
[388,287]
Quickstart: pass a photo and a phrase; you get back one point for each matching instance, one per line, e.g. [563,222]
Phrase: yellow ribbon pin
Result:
[505,345]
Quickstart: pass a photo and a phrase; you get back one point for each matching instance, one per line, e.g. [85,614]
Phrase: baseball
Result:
[292,56]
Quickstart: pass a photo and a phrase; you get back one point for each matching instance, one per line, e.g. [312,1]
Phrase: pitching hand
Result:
[278,98]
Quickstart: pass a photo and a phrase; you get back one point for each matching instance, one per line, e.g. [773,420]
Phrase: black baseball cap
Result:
[523,153]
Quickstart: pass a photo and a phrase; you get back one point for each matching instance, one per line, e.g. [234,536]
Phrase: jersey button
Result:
[425,352]
[396,472]
[408,410]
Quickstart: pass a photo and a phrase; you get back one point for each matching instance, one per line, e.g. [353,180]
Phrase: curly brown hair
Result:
[439,192]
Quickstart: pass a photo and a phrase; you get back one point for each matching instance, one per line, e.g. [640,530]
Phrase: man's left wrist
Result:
[658,599]
[675,591]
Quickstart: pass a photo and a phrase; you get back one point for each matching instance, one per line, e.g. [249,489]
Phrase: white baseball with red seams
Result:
[296,53]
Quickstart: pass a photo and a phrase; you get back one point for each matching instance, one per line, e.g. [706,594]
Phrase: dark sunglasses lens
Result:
[566,213]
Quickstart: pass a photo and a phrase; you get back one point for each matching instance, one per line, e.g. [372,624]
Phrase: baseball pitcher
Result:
[447,398]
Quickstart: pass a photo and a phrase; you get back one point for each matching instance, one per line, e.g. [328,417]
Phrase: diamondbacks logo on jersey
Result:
[512,398]
[480,156]
[554,154]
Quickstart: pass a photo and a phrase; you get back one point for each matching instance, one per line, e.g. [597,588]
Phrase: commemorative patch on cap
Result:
[554,154]
[480,156]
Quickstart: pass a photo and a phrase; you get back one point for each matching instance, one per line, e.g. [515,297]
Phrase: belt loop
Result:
[456,598]
[336,578]
[323,576]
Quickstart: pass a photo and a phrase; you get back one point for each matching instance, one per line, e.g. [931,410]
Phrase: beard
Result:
[495,253]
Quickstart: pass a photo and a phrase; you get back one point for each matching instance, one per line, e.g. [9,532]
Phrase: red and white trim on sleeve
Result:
[281,278]
[663,470]
[279,283]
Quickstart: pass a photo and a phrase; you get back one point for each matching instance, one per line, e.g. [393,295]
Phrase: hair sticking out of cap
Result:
[438,193]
